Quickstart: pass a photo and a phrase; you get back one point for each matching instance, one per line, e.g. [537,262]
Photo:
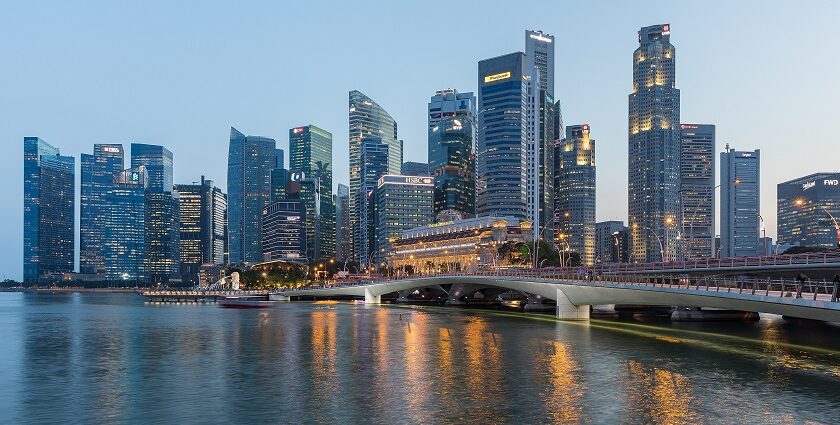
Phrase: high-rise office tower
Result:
[310,152]
[284,232]
[48,210]
[453,167]
[449,103]
[368,119]
[202,225]
[343,232]
[576,193]
[411,168]
[402,203]
[126,231]
[697,190]
[740,217]
[501,136]
[610,240]
[280,158]
[250,161]
[808,209]
[539,54]
[654,148]
[162,234]
[373,164]
[98,170]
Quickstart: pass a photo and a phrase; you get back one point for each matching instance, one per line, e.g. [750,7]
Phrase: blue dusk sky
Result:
[180,73]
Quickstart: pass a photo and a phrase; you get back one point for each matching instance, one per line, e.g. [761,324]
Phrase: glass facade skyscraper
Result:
[202,225]
[368,119]
[539,54]
[343,232]
[284,232]
[654,148]
[250,161]
[449,103]
[98,171]
[310,152]
[697,190]
[807,210]
[576,193]
[453,166]
[126,232]
[373,165]
[740,200]
[501,145]
[48,210]
[162,234]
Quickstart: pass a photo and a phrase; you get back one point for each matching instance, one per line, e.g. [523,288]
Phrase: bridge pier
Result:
[372,299]
[568,311]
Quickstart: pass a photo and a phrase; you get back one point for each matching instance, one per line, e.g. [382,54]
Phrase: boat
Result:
[245,302]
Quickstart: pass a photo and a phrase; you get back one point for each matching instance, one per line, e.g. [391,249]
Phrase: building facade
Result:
[501,145]
[576,193]
[162,234]
[126,237]
[740,200]
[452,163]
[202,226]
[808,209]
[49,219]
[373,165]
[697,190]
[654,148]
[412,168]
[284,231]
[250,161]
[449,103]
[343,232]
[367,119]
[310,152]
[402,203]
[98,171]
[611,242]
[539,55]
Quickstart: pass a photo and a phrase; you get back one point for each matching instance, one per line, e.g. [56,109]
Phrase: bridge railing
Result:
[808,289]
[709,263]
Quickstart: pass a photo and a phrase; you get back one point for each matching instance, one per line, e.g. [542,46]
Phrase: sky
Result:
[179,74]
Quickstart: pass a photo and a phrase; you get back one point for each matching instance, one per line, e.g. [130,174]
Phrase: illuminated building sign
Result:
[111,149]
[809,185]
[497,77]
[585,129]
[666,29]
[831,182]
[298,130]
[540,37]
[688,127]
[135,176]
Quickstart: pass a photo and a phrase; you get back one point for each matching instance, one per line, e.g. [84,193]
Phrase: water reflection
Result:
[660,396]
[563,401]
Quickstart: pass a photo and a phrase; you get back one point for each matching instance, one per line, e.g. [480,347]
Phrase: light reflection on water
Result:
[110,358]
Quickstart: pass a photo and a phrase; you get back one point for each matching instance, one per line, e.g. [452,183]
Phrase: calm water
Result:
[111,358]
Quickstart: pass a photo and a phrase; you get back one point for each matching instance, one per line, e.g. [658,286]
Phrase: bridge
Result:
[820,263]
[575,294]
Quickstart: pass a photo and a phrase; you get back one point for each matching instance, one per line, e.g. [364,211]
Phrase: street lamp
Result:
[661,247]
[799,202]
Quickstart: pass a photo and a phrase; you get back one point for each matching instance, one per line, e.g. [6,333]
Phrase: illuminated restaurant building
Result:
[457,245]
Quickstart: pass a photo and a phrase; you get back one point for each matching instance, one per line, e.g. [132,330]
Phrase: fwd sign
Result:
[831,182]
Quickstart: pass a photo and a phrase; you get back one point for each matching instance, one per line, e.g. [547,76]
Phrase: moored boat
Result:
[245,302]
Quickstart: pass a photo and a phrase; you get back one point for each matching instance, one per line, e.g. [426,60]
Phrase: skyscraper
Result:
[126,231]
[412,168]
[697,190]
[343,232]
[448,103]
[740,217]
[576,193]
[373,165]
[368,119]
[654,148]
[162,234]
[539,53]
[453,166]
[284,232]
[310,152]
[98,171]
[250,161]
[48,210]
[808,209]
[501,137]
[402,203]
[610,241]
[203,226]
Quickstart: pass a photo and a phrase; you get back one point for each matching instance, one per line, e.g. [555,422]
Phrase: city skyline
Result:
[201,146]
